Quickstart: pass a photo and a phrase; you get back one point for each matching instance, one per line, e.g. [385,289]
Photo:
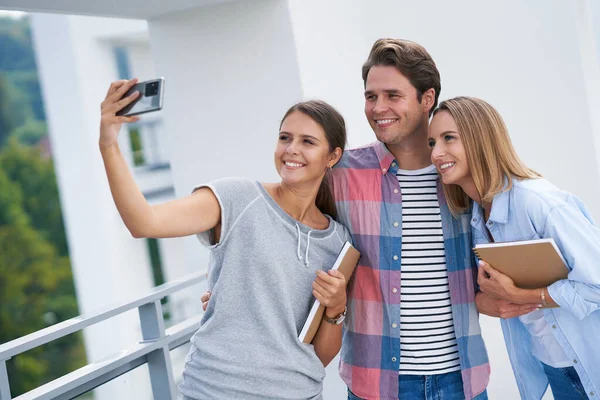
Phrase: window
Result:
[135,140]
[157,272]
[122,63]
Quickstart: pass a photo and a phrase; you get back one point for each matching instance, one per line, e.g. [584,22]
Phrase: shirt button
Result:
[393,359]
[384,169]
[591,393]
[474,220]
[395,224]
[394,325]
[395,257]
[395,190]
[553,326]
[394,290]
[574,361]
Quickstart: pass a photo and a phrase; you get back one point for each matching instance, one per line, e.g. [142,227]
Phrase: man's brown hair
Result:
[411,59]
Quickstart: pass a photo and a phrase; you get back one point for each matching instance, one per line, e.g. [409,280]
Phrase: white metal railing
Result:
[153,350]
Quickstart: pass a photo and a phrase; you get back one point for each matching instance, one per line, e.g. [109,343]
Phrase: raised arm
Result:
[196,213]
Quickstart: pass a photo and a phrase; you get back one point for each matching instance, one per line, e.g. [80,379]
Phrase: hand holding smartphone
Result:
[150,98]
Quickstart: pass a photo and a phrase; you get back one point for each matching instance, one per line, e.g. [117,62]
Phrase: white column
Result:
[109,266]
[231,74]
[331,48]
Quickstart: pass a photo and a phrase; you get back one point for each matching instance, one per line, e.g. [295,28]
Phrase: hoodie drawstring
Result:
[306,262]
[298,228]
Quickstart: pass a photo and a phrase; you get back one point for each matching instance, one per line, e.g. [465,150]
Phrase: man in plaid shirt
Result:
[412,328]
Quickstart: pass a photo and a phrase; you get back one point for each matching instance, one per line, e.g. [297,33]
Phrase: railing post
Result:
[159,361]
[4,384]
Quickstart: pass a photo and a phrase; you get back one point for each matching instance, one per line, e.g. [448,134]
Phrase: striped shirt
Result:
[369,203]
[427,340]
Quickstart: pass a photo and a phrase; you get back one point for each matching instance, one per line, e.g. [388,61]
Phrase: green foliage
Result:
[31,132]
[32,285]
[135,139]
[30,262]
[36,285]
[11,198]
[17,104]
[27,83]
[40,199]
[15,41]
[7,120]
[20,94]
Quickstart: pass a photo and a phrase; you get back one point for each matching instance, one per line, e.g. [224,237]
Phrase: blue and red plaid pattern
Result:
[369,203]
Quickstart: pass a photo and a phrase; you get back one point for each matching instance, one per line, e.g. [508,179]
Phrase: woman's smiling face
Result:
[303,152]
[447,150]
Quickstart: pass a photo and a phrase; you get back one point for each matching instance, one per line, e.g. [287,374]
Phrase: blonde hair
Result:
[492,158]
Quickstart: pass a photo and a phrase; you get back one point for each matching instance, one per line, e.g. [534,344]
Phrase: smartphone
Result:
[150,98]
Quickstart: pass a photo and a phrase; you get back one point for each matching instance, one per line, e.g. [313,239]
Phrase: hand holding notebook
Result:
[531,264]
[519,270]
[345,263]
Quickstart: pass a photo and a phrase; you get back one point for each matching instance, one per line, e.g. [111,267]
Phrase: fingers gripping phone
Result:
[150,98]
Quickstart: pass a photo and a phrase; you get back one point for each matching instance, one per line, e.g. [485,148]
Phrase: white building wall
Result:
[593,9]
[331,47]
[588,18]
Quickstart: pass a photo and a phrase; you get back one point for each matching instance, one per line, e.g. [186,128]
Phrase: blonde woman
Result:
[481,171]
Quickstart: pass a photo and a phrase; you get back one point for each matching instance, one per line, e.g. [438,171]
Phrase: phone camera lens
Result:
[151,89]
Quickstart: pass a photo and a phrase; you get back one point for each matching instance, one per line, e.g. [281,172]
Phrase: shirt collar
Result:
[500,205]
[384,156]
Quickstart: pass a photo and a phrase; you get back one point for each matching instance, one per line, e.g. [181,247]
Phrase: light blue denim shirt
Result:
[532,209]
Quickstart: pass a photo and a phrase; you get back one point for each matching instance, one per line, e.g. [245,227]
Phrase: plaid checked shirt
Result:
[369,203]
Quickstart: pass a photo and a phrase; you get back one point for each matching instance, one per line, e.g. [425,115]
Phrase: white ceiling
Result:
[138,9]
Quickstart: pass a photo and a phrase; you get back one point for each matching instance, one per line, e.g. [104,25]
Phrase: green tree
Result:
[36,285]
[20,94]
[15,41]
[18,102]
[36,180]
[7,122]
[27,83]
[30,133]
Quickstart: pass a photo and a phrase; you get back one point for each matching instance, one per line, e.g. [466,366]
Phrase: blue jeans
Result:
[565,383]
[430,387]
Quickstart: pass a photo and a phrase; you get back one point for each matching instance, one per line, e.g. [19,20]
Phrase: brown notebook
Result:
[531,264]
[346,262]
